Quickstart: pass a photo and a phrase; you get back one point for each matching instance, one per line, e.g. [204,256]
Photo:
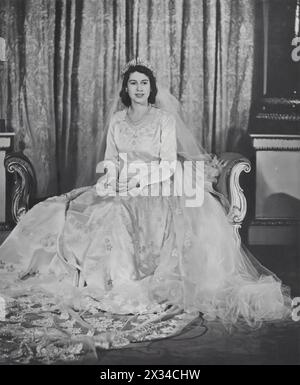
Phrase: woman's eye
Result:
[134,83]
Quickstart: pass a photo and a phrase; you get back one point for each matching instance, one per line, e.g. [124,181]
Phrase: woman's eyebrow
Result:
[143,80]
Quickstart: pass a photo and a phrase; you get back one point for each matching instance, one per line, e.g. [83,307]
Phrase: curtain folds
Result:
[203,50]
[64,60]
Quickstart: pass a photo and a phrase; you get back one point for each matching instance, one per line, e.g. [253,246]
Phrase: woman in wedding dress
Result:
[134,248]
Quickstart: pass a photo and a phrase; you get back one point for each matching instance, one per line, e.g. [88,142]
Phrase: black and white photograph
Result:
[149,185]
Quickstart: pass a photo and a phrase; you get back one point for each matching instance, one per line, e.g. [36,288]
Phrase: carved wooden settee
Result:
[233,164]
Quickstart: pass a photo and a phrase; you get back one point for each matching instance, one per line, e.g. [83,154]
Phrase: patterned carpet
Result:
[36,333]
[41,332]
[36,330]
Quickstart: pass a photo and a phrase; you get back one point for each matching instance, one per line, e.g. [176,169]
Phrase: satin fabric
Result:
[135,254]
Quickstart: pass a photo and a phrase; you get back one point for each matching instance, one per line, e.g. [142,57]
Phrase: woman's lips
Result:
[139,95]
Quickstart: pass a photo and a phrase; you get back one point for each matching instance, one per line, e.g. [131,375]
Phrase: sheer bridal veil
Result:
[224,280]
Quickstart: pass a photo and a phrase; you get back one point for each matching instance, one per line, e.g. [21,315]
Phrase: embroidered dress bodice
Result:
[152,139]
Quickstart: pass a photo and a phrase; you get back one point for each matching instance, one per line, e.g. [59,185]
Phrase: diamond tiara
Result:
[136,62]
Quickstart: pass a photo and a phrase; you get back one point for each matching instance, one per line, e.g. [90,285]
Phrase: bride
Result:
[135,243]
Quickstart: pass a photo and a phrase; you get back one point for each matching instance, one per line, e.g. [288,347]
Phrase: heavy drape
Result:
[64,59]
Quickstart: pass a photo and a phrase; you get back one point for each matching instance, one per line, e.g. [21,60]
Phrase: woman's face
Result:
[138,88]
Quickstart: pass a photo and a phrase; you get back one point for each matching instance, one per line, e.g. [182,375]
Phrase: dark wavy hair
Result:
[144,70]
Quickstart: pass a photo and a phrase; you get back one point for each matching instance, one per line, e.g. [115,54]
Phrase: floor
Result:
[209,343]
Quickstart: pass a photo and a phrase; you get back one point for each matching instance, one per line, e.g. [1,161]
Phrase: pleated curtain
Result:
[63,64]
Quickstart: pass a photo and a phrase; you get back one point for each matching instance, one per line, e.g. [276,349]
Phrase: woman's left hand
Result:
[105,185]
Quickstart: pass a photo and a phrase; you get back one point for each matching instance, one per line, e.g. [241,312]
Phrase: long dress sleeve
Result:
[110,164]
[111,153]
[106,184]
[168,154]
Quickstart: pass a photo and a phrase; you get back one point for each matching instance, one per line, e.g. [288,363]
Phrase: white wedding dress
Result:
[187,257]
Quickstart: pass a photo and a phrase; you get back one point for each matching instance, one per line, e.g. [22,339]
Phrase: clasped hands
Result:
[108,185]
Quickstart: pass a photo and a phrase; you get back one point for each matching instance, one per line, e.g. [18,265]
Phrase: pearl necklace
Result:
[140,120]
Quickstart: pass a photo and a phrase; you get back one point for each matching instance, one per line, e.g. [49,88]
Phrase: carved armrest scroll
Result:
[24,183]
[229,185]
